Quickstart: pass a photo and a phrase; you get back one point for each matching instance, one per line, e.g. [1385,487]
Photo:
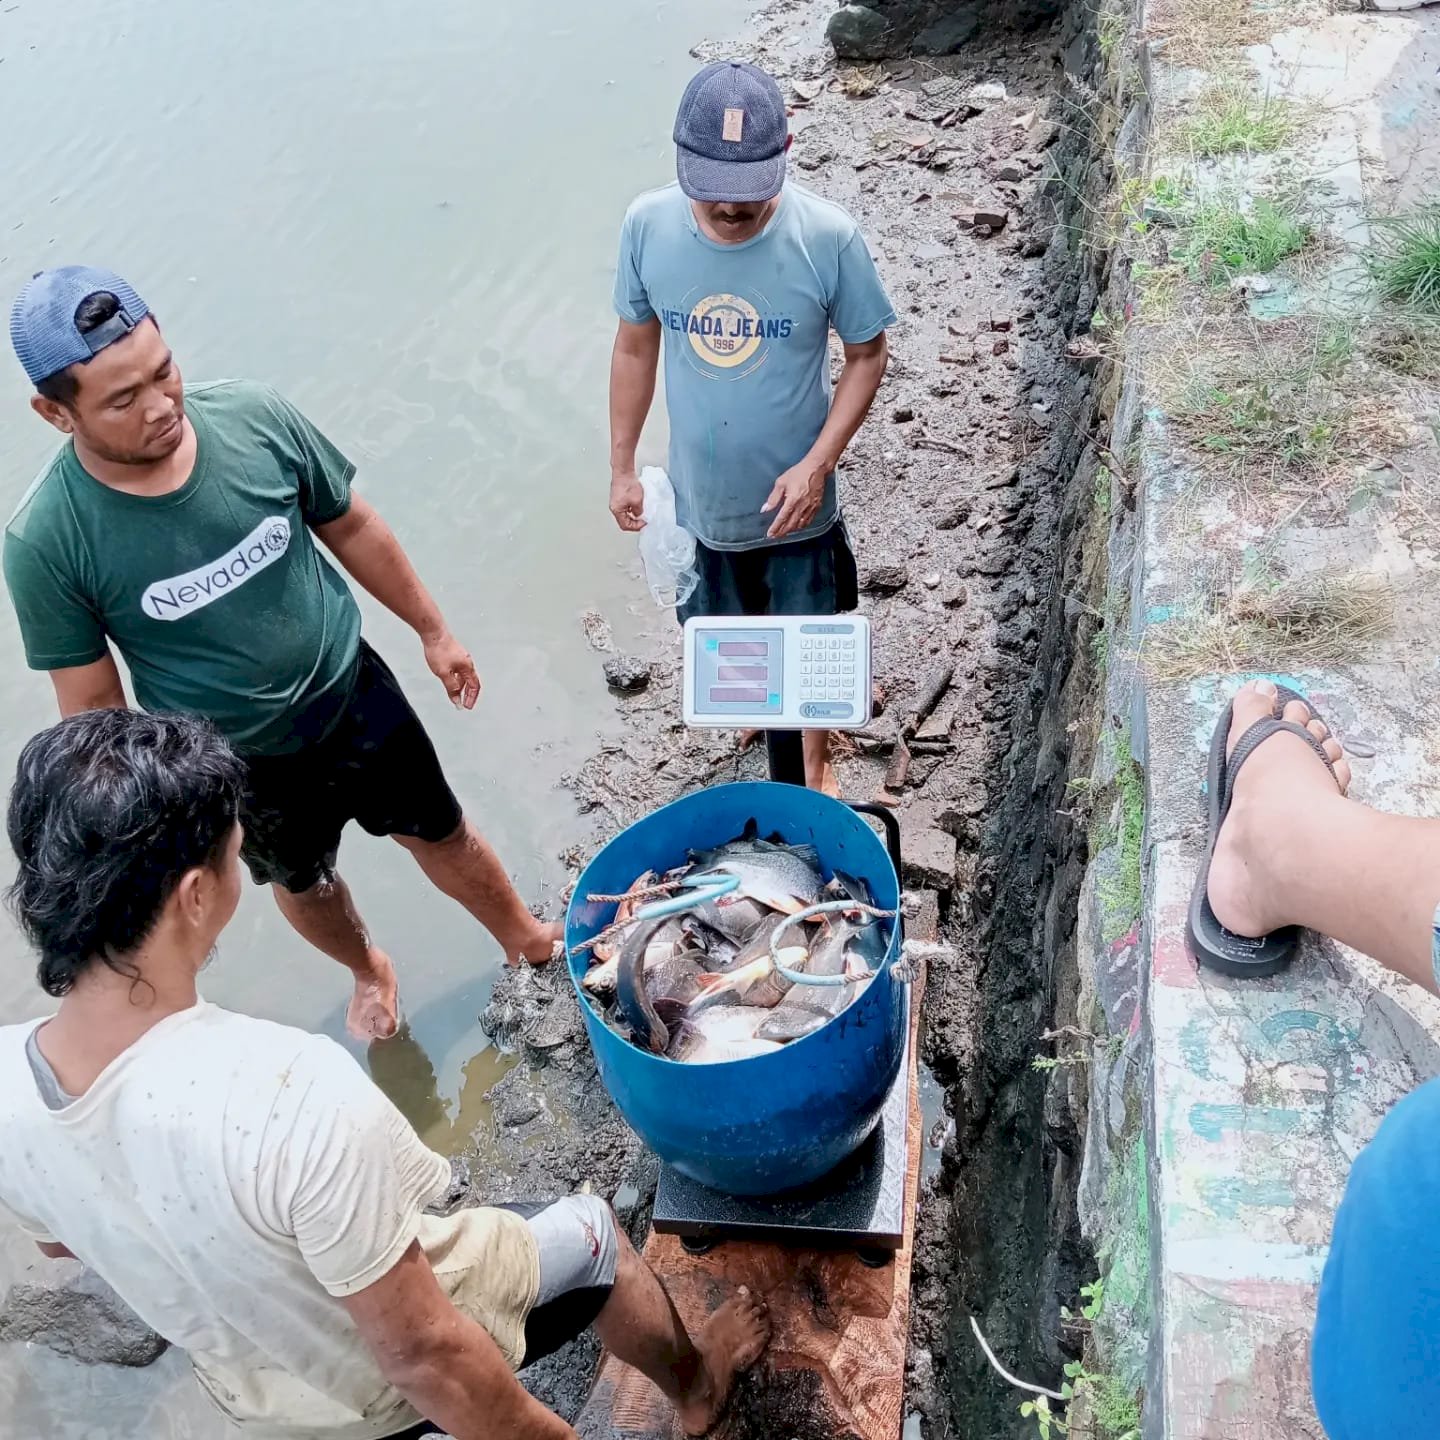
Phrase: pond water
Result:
[404,215]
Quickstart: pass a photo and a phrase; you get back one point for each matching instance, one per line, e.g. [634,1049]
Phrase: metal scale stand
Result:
[787,674]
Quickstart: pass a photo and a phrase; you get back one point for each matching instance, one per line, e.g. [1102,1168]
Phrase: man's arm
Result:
[54,1250]
[96,686]
[799,491]
[632,387]
[366,546]
[442,1362]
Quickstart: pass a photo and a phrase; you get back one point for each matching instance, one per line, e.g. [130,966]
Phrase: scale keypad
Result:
[829,667]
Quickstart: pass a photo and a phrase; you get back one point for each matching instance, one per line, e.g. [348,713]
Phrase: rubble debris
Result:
[627,673]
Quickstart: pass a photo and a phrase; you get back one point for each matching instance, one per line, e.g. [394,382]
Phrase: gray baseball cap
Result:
[730,135]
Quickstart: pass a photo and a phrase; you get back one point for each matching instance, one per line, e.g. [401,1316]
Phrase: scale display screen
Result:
[739,671]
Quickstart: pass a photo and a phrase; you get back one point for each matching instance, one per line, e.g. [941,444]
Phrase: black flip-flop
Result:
[1212,944]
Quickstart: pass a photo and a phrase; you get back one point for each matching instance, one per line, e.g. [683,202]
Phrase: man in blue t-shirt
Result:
[743,278]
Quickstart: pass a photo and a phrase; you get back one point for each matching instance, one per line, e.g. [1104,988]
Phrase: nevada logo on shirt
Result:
[728,332]
[182,595]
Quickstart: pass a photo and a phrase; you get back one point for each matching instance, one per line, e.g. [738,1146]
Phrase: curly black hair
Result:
[109,810]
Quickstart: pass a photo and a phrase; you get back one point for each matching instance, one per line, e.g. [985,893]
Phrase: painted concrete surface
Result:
[1261,1093]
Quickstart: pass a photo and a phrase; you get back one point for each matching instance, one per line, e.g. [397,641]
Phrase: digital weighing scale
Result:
[784,674]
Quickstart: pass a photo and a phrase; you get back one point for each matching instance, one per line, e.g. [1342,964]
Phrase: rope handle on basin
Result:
[700,890]
[827,907]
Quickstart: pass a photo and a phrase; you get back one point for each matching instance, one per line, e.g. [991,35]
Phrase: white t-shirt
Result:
[228,1177]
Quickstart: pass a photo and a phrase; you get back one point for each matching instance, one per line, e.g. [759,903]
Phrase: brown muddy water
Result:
[404,216]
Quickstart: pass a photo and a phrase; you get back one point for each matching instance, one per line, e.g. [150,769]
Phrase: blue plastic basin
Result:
[773,1122]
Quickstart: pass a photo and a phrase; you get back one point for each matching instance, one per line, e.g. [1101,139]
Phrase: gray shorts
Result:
[577,1244]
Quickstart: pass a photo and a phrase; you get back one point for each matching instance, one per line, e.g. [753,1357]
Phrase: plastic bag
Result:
[666,549]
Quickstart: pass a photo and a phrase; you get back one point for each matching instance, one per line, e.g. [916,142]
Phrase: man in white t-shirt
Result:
[242,1185]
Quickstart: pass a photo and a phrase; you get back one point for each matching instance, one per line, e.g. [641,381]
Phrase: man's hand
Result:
[627,500]
[797,494]
[450,663]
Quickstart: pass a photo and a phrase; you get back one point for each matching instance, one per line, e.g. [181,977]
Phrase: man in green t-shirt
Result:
[178,525]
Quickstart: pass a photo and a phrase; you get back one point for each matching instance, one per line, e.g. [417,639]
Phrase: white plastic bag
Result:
[666,550]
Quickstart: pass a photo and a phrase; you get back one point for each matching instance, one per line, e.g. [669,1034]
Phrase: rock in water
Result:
[627,674]
[84,1319]
[948,34]
[856,32]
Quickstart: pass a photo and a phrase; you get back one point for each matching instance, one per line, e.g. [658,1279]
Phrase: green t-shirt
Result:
[215,594]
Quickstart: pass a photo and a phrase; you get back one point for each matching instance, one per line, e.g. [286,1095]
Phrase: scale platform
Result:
[860,1204]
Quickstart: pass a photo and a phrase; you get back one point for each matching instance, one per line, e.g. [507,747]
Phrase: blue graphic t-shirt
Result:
[1376,1354]
[746,329]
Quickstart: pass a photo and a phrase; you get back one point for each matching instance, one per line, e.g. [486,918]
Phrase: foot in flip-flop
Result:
[1268,746]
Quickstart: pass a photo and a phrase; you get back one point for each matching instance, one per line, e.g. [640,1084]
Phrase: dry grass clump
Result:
[1314,620]
[860,81]
[1197,31]
[1275,408]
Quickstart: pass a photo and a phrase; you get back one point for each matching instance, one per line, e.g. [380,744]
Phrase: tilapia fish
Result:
[781,877]
[725,1033]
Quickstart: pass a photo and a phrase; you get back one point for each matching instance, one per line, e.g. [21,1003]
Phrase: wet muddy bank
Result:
[966,497]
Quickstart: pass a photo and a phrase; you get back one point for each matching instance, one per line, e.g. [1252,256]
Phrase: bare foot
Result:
[827,782]
[1273,785]
[540,948]
[733,1339]
[748,738]
[374,1012]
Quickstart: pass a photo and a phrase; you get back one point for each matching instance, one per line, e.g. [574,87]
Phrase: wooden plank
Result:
[835,1369]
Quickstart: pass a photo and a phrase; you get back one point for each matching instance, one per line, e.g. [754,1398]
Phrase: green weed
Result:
[1224,239]
[1121,891]
[1405,259]
[1230,118]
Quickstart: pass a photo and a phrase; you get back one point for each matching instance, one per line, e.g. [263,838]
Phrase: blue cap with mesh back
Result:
[731,134]
[42,320]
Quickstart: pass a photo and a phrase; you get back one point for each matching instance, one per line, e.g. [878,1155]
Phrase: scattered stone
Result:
[627,673]
[955,594]
[883,579]
[856,32]
[987,92]
[987,217]
[1000,347]
[931,581]
[1043,133]
[814,159]
[1252,285]
[1010,171]
[518,1108]
[83,1319]
[929,855]
[902,414]
[807,90]
[1001,322]
[953,515]
[1030,596]
[949,33]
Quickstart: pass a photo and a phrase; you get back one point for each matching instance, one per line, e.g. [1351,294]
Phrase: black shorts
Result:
[374,764]
[805,577]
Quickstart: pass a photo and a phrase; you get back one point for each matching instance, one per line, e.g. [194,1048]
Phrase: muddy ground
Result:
[957,169]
